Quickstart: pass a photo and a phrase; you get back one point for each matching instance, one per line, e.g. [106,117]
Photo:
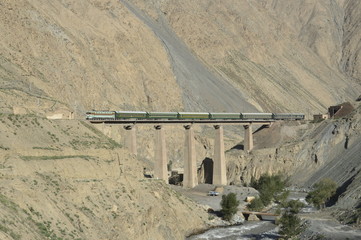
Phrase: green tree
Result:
[290,225]
[323,191]
[293,206]
[270,188]
[282,196]
[256,205]
[229,206]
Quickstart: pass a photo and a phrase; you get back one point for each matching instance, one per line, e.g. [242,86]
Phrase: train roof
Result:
[290,113]
[132,112]
[225,113]
[163,112]
[193,112]
[100,111]
[257,113]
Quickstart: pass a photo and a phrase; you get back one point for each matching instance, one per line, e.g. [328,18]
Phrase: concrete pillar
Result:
[190,164]
[219,159]
[248,137]
[131,139]
[160,164]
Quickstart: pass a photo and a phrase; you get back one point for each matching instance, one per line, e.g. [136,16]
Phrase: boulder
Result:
[249,199]
[253,217]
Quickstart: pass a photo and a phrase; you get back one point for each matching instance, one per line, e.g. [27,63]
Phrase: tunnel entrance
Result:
[208,170]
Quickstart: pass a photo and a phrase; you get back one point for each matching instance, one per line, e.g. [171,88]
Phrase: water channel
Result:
[264,230]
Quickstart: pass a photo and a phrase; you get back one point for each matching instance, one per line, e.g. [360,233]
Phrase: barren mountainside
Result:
[66,180]
[69,179]
[157,55]
[269,49]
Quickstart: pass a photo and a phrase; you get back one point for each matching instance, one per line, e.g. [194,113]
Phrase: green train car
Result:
[118,115]
[163,115]
[193,115]
[131,114]
[257,116]
[225,115]
[100,115]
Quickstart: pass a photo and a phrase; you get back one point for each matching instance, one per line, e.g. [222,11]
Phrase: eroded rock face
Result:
[82,56]
[62,57]
[269,49]
[313,151]
[284,56]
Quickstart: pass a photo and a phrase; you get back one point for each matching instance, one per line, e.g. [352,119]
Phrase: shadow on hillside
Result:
[238,147]
[241,146]
[261,128]
[340,190]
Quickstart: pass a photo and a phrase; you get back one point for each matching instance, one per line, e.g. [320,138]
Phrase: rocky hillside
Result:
[307,153]
[65,179]
[80,56]
[170,55]
[269,49]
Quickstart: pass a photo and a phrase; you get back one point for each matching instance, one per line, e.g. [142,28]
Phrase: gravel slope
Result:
[203,90]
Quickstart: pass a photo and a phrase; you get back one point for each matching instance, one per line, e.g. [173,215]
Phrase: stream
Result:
[248,230]
[251,230]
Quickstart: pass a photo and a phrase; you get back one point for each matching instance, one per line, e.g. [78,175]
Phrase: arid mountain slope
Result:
[66,180]
[351,62]
[269,49]
[81,56]
[202,89]
[171,55]
[307,153]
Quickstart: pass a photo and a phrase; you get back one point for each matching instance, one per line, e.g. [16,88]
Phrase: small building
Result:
[340,110]
[320,117]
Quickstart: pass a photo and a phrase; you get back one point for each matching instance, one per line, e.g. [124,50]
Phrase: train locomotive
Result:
[139,115]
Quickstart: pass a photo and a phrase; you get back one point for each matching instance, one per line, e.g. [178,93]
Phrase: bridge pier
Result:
[248,137]
[190,164]
[161,160]
[219,159]
[131,140]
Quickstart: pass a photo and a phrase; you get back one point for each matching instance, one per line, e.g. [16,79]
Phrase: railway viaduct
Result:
[190,179]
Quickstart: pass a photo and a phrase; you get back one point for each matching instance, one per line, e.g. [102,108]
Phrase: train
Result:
[139,115]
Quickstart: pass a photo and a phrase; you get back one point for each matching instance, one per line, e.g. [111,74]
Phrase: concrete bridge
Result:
[190,179]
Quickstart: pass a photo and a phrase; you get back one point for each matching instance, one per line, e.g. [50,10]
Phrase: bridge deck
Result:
[184,121]
[260,213]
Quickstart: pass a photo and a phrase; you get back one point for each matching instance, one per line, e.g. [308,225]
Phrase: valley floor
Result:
[320,224]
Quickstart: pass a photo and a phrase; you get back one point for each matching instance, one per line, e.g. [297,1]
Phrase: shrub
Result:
[282,196]
[323,190]
[229,206]
[270,188]
[290,225]
[256,205]
[294,206]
